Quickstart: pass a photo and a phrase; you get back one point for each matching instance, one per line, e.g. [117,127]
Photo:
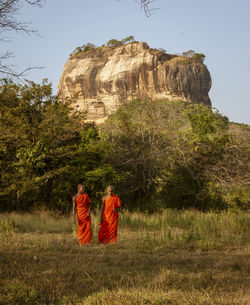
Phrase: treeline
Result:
[45,150]
[158,154]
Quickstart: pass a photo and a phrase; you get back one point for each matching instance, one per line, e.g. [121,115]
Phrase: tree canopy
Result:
[177,154]
[45,150]
[116,43]
[158,154]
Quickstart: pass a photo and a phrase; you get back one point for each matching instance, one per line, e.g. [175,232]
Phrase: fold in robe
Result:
[84,233]
[108,228]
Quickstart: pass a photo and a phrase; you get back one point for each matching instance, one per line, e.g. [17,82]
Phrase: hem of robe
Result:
[83,243]
[106,242]
[108,239]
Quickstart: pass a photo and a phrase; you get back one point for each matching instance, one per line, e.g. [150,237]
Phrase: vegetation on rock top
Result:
[186,57]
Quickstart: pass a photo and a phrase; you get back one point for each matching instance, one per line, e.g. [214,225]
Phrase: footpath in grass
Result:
[170,258]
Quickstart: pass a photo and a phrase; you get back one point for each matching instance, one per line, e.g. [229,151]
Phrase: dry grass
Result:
[182,60]
[152,263]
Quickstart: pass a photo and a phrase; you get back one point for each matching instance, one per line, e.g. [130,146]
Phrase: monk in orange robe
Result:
[82,207]
[111,203]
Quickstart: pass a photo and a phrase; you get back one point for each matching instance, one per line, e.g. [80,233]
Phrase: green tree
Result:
[114,43]
[83,48]
[45,150]
[89,46]
[176,154]
[199,57]
[117,43]
[128,39]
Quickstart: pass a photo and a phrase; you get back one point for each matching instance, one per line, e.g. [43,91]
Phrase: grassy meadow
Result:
[173,258]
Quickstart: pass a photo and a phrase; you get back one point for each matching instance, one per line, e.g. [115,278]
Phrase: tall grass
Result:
[191,228]
[172,228]
[159,259]
[42,221]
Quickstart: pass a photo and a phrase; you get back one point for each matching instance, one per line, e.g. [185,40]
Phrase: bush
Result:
[46,151]
[158,154]
[177,154]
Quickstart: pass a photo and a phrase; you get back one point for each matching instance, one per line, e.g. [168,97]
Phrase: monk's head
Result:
[110,190]
[81,188]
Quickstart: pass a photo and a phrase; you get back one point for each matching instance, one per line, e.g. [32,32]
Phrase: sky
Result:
[218,28]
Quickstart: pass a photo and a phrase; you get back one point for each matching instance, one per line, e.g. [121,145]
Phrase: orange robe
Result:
[84,233]
[108,228]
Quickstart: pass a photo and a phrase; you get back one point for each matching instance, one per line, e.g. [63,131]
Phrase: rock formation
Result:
[99,81]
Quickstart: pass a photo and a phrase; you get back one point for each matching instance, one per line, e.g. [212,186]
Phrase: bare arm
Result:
[89,209]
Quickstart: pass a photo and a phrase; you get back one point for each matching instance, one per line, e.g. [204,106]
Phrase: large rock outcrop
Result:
[99,81]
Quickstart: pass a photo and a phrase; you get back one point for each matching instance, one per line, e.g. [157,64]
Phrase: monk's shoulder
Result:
[118,200]
[86,197]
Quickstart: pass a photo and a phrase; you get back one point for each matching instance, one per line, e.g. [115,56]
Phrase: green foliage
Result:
[195,56]
[84,48]
[199,57]
[128,39]
[45,150]
[177,154]
[186,60]
[111,43]
[114,43]
[158,154]
[117,43]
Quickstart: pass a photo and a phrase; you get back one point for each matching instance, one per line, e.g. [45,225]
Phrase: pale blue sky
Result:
[218,28]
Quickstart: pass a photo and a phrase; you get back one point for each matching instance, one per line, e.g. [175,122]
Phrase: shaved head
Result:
[111,187]
[81,188]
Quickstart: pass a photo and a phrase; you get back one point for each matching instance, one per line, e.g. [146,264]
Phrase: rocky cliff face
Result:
[99,81]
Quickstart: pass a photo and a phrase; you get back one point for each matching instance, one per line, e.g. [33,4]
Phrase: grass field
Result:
[169,258]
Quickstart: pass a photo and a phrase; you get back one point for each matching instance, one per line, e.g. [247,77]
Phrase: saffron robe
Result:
[108,227]
[84,233]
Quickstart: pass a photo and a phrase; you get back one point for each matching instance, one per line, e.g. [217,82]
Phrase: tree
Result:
[9,10]
[117,43]
[114,43]
[189,53]
[89,46]
[146,6]
[177,154]
[45,150]
[84,47]
[141,140]
[128,39]
[199,56]
[196,56]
